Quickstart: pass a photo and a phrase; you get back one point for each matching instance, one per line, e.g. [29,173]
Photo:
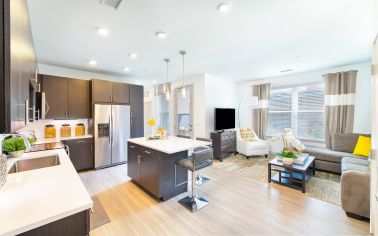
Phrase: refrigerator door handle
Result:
[112,128]
[110,131]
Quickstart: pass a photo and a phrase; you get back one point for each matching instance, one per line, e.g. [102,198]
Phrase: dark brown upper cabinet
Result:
[67,98]
[102,91]
[121,93]
[110,92]
[79,98]
[136,101]
[56,90]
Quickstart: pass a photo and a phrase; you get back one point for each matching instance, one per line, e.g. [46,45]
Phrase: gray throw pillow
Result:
[344,142]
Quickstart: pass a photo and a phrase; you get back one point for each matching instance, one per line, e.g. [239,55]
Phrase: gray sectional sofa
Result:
[342,145]
[354,170]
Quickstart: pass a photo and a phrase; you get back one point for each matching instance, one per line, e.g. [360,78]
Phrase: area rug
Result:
[323,186]
[98,216]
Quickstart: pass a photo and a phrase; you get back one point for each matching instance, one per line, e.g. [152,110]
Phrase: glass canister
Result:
[65,130]
[50,131]
[80,129]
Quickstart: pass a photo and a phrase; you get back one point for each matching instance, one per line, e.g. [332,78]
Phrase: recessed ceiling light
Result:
[138,81]
[161,35]
[92,62]
[133,55]
[126,69]
[154,81]
[287,70]
[224,7]
[102,31]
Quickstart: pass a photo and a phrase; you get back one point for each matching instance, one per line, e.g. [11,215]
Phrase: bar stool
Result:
[199,178]
[198,160]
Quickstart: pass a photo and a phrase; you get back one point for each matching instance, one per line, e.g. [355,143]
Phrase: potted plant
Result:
[14,146]
[291,146]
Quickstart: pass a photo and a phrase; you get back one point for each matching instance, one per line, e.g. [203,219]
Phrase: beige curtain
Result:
[340,89]
[260,113]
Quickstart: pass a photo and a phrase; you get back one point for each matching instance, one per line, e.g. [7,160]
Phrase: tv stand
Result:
[224,143]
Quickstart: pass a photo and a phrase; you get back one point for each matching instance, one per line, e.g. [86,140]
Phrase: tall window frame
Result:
[299,107]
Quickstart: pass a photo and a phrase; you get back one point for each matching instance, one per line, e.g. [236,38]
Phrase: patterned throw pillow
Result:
[248,135]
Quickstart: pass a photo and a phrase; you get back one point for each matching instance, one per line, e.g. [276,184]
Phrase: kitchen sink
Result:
[35,163]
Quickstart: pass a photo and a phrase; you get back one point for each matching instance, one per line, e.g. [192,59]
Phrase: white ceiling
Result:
[256,39]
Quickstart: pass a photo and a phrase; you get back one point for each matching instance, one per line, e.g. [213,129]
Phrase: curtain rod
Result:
[338,72]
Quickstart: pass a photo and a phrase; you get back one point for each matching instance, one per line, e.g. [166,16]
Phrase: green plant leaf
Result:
[287,154]
[13,144]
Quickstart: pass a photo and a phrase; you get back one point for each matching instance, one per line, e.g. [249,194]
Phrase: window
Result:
[164,112]
[300,108]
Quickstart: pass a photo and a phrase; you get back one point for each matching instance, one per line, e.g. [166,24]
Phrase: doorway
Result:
[184,112]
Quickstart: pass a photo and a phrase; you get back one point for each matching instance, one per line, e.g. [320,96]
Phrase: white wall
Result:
[79,74]
[363,93]
[198,83]
[219,93]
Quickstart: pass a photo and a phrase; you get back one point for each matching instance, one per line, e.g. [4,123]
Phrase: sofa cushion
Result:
[355,167]
[363,146]
[344,142]
[258,145]
[357,161]
[325,154]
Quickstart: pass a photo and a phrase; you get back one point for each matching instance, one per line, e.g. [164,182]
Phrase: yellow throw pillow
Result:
[248,135]
[363,146]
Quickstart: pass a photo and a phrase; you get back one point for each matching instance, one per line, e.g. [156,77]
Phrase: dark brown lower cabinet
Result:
[133,159]
[81,153]
[149,173]
[156,171]
[75,225]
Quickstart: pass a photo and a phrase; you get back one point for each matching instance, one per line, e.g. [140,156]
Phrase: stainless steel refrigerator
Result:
[112,129]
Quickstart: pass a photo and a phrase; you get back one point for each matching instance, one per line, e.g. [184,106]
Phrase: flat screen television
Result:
[224,118]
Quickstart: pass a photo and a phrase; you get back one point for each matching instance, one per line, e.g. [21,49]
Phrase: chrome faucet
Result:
[26,141]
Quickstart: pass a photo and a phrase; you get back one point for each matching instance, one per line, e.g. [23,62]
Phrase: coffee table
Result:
[294,176]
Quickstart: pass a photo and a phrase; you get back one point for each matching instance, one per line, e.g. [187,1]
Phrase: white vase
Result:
[287,161]
[3,170]
[17,153]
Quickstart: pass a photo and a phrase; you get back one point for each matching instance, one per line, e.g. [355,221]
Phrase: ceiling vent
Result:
[112,3]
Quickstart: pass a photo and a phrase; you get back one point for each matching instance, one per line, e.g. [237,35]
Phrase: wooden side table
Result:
[294,176]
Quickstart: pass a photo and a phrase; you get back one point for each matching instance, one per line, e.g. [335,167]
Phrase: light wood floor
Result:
[238,206]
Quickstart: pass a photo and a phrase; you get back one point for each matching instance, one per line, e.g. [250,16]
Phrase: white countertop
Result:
[37,197]
[58,139]
[170,145]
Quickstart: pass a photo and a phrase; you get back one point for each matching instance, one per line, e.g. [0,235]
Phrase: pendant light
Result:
[183,92]
[167,95]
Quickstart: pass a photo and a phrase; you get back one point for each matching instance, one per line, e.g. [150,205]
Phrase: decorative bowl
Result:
[287,161]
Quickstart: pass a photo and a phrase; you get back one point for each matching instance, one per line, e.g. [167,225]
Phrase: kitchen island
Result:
[151,164]
[45,201]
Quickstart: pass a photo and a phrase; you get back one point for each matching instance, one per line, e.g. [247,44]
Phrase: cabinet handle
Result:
[131,114]
[111,98]
[91,147]
[80,141]
[131,146]
[139,159]
[147,152]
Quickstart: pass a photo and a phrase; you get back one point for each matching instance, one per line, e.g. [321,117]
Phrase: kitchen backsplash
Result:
[39,127]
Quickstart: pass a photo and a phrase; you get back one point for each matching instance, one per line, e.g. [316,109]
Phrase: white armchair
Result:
[257,147]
